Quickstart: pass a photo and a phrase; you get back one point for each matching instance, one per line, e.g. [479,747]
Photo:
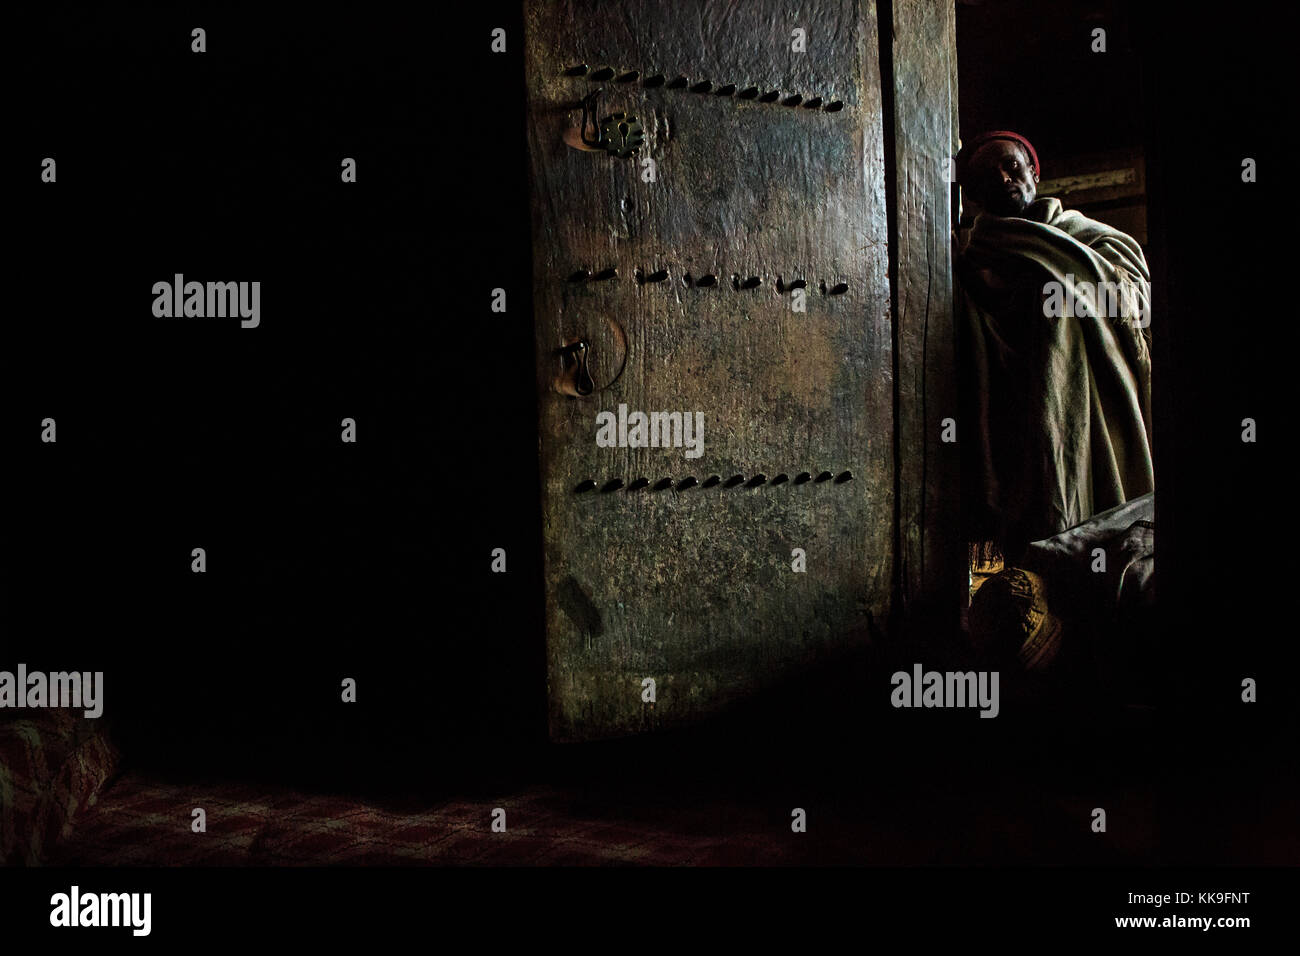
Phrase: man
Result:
[1053,311]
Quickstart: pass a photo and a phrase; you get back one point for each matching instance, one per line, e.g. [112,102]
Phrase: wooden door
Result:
[739,278]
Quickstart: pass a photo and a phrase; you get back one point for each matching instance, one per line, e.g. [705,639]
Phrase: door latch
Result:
[580,378]
[574,377]
[619,134]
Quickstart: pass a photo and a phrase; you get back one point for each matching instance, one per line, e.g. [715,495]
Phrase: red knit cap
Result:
[968,150]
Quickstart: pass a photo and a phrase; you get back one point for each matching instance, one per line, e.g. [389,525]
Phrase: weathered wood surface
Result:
[932,554]
[694,587]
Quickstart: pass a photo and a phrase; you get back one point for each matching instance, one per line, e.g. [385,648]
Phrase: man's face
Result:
[1001,178]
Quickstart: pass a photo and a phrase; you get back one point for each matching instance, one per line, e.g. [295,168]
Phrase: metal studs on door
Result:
[712,481]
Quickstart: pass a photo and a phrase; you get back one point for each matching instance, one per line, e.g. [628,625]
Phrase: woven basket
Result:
[1011,624]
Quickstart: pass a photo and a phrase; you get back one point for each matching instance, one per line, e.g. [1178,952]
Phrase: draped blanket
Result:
[1053,314]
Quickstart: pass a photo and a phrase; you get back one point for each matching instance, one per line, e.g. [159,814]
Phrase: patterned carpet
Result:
[63,801]
[139,822]
[142,823]
[53,766]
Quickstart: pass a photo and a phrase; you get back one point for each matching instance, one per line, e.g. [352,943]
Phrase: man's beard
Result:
[1009,204]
